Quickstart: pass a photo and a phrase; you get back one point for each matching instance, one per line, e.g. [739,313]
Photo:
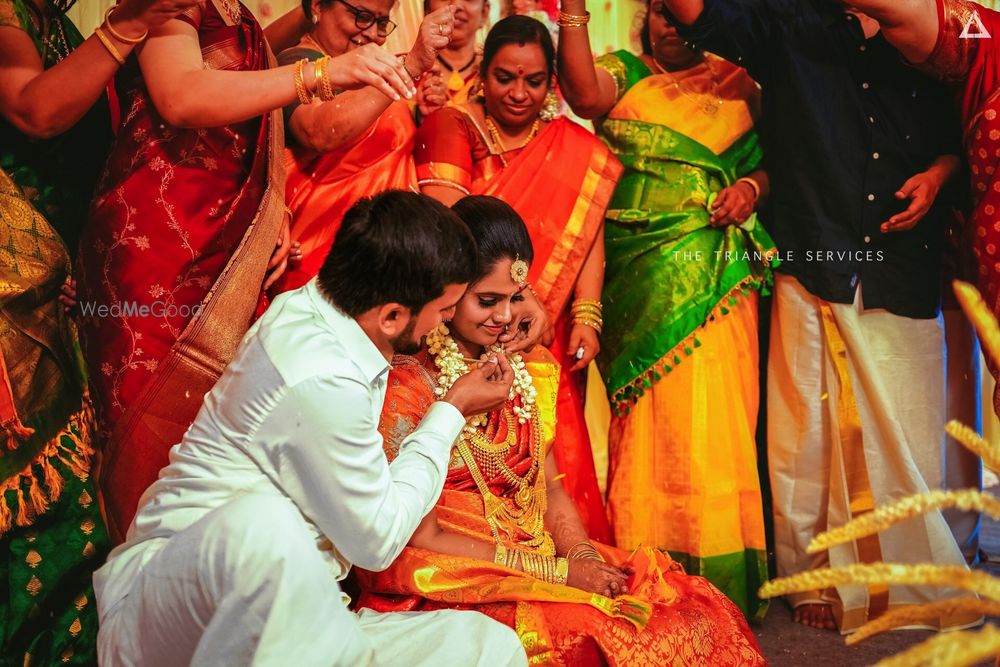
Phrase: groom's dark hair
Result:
[397,247]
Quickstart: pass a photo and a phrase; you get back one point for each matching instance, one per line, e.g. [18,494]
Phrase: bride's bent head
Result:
[503,259]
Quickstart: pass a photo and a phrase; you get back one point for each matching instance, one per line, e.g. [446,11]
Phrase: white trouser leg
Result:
[448,637]
[245,585]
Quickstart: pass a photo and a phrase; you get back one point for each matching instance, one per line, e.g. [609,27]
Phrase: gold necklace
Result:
[705,102]
[498,142]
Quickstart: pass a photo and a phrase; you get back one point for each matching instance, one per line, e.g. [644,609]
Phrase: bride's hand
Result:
[596,576]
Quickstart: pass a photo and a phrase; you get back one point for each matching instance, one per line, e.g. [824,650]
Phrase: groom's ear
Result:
[393,318]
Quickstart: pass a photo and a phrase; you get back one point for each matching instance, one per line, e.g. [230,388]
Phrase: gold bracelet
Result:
[573,20]
[402,61]
[109,46]
[305,97]
[116,35]
[562,571]
[587,310]
[753,184]
[596,326]
[326,91]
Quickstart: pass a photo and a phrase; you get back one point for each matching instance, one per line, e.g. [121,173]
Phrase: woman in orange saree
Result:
[504,538]
[464,149]
[356,145]
[184,226]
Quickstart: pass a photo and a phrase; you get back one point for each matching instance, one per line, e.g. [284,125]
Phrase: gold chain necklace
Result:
[705,102]
[498,142]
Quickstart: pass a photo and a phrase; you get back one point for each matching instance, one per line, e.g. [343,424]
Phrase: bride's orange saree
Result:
[668,618]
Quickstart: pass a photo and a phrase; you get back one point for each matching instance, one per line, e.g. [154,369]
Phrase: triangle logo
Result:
[974,28]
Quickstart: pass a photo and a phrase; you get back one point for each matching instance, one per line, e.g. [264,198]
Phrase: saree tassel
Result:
[6,519]
[14,433]
[39,502]
[24,516]
[53,481]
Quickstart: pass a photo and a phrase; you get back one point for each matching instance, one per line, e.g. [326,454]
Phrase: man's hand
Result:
[921,189]
[529,322]
[484,388]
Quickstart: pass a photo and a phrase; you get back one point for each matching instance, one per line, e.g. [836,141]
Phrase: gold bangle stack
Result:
[116,35]
[305,97]
[507,557]
[326,91]
[109,46]
[573,20]
[585,551]
[589,313]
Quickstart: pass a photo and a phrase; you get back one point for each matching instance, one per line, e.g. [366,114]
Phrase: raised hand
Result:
[434,35]
[371,65]
[432,94]
[529,325]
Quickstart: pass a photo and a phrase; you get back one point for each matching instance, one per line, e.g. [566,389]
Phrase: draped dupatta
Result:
[184,222]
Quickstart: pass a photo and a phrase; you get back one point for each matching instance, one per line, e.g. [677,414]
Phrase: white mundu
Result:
[277,488]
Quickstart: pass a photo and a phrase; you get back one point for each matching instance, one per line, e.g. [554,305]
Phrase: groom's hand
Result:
[484,388]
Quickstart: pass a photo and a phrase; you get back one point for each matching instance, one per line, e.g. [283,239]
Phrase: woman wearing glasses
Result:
[359,142]
[187,216]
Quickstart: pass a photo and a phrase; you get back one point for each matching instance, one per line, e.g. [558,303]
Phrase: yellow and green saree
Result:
[679,349]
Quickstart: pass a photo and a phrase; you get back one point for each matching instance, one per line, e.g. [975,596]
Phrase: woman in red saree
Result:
[184,226]
[356,145]
[559,178]
[504,538]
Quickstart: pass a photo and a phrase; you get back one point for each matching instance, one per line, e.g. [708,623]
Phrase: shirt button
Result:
[871,119]
[868,239]
[871,197]
[863,48]
[854,281]
[865,85]
[875,156]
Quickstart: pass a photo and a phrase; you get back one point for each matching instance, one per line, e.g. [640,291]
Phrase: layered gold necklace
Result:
[497,141]
[524,514]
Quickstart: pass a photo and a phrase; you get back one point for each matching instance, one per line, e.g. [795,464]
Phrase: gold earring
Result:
[550,110]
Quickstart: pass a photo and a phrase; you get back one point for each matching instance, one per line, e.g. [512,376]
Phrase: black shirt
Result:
[845,122]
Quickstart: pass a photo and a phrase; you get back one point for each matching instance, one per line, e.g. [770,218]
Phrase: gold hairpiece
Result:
[519,271]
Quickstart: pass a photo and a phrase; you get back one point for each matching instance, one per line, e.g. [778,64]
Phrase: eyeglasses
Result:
[365,19]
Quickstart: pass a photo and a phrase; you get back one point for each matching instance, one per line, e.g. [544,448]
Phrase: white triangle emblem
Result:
[974,28]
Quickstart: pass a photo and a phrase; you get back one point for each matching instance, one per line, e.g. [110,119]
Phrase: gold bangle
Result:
[402,61]
[587,310]
[753,184]
[587,302]
[326,91]
[590,323]
[573,20]
[562,571]
[116,35]
[305,97]
[109,46]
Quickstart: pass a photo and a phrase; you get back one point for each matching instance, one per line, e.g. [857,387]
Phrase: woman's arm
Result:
[326,126]
[45,102]
[561,517]
[589,285]
[187,95]
[590,91]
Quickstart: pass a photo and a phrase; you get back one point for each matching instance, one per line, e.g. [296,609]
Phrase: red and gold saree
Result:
[175,249]
[322,187]
[560,183]
[668,619]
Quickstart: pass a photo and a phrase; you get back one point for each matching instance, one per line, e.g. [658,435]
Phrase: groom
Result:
[281,485]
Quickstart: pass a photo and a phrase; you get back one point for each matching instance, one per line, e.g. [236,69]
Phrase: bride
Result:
[505,538]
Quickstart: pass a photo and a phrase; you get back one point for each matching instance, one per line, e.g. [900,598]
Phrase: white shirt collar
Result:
[359,346]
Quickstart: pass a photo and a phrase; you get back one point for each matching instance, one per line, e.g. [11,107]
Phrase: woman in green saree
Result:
[686,259]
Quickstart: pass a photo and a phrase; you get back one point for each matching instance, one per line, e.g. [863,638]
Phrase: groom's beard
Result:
[405,343]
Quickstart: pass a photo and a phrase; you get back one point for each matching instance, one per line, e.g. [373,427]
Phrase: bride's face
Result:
[484,310]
